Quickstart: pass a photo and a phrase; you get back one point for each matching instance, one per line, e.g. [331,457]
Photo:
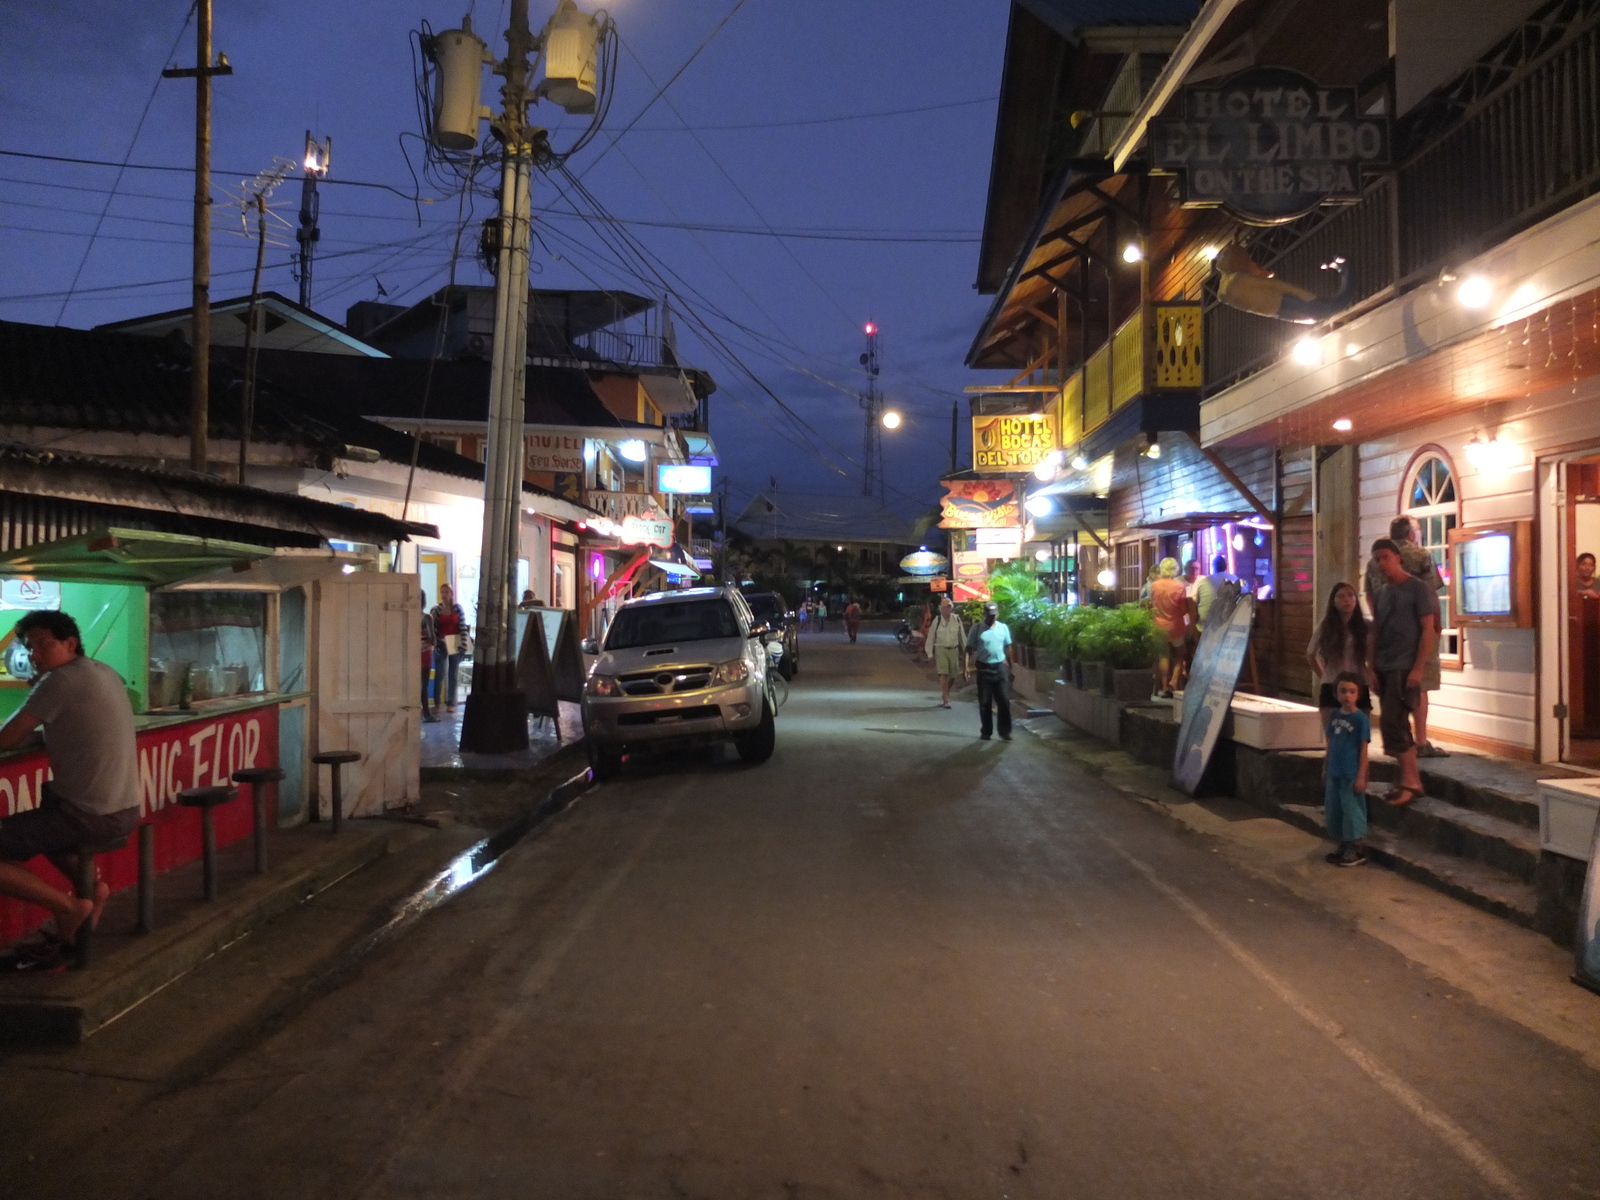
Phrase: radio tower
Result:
[872,403]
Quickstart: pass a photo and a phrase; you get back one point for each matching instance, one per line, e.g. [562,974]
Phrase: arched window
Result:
[1430,500]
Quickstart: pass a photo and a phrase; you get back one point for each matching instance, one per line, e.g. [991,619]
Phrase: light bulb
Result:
[1131,253]
[1040,506]
[1210,253]
[1041,556]
[1474,292]
[1080,463]
[1106,578]
[633,450]
[1344,425]
[891,420]
[1308,352]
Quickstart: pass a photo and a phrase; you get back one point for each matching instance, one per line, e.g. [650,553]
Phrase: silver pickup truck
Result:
[679,669]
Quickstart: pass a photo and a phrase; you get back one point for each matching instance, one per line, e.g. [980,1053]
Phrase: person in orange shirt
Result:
[1169,604]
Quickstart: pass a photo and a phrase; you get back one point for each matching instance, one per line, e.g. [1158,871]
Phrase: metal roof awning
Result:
[135,556]
[283,570]
[1193,522]
[702,451]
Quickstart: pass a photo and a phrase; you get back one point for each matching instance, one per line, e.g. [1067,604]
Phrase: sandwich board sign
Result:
[1217,662]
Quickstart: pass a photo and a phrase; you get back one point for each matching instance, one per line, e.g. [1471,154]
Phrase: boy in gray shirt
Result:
[94,795]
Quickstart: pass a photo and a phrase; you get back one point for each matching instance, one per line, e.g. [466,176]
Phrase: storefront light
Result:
[1210,253]
[1080,463]
[1344,425]
[633,450]
[1131,253]
[1308,352]
[1490,455]
[1106,578]
[1238,541]
[1474,292]
[1040,506]
[1042,555]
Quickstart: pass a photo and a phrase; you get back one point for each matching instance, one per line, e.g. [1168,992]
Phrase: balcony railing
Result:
[1160,353]
[1523,153]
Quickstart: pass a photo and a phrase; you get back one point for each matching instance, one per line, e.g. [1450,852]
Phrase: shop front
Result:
[233,656]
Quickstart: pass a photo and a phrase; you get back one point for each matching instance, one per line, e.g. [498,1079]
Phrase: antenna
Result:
[872,403]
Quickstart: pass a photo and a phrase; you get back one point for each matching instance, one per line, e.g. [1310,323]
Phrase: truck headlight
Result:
[736,671]
[604,685]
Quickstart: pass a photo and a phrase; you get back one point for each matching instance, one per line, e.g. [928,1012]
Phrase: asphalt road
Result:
[893,962]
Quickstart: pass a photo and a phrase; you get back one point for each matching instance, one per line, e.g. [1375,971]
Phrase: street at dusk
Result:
[813,602]
[895,961]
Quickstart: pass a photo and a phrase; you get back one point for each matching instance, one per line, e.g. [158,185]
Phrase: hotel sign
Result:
[1012,444]
[1269,145]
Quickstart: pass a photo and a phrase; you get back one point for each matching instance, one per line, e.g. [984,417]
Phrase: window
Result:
[682,621]
[1493,584]
[1430,501]
[216,641]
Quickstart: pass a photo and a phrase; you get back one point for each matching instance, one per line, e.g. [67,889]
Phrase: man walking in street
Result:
[1404,636]
[945,642]
[94,793]
[990,644]
[1418,562]
[852,619]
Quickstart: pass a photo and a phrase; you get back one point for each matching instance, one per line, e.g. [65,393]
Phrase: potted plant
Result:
[1128,644]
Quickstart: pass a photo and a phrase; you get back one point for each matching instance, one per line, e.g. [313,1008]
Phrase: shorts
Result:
[947,660]
[1396,703]
[58,827]
[1327,701]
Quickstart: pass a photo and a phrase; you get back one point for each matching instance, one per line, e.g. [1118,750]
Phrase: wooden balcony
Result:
[1158,349]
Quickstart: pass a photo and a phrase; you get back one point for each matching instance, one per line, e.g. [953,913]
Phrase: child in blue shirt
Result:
[1344,796]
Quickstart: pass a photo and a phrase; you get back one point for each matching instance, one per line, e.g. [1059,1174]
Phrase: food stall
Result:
[215,641]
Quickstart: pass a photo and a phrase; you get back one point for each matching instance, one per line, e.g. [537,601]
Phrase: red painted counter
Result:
[175,752]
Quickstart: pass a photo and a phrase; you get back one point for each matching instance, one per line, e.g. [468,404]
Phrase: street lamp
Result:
[891,420]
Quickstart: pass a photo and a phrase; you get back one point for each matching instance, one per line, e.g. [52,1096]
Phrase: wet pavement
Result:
[441,740]
[894,961]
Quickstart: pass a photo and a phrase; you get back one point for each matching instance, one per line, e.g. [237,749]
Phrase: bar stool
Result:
[206,799]
[258,778]
[337,759]
[85,885]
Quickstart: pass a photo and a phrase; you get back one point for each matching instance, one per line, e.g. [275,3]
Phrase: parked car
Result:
[679,669]
[774,616]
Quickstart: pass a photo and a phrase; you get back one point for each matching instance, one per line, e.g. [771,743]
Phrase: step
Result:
[1467,781]
[1472,882]
[1505,845]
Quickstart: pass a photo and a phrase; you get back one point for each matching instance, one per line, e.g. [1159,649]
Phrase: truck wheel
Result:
[788,667]
[757,745]
[604,764]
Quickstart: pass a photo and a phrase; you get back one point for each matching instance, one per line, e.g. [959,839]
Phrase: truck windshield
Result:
[663,624]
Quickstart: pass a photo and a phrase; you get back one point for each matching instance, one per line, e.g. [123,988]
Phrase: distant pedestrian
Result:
[822,615]
[93,791]
[1169,606]
[852,619]
[450,628]
[1344,794]
[428,641]
[1206,588]
[945,643]
[1418,562]
[1405,632]
[990,644]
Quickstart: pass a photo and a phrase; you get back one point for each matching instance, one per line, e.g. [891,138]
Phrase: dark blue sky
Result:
[75,78]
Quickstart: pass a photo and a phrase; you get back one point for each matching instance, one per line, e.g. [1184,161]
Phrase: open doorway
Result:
[1582,595]
[435,569]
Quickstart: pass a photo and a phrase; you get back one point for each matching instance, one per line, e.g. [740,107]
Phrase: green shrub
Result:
[1124,638]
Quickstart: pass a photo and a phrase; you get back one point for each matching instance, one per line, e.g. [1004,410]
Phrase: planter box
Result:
[1091,676]
[1275,724]
[1130,687]
[1095,714]
[1567,812]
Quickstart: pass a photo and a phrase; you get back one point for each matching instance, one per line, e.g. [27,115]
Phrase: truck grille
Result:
[671,716]
[667,681]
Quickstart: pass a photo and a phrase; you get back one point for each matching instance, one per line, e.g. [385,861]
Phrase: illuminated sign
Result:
[1013,443]
[924,562]
[976,503]
[683,479]
[650,529]
[1000,543]
[1269,145]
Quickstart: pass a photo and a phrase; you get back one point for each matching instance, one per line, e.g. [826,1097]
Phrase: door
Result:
[434,568]
[366,683]
[1582,596]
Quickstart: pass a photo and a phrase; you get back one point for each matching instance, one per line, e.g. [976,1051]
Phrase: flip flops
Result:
[1402,796]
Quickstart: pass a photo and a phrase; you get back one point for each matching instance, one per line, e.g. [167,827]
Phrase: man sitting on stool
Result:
[94,796]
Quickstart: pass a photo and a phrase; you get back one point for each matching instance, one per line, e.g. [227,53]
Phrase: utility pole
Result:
[872,403]
[722,519]
[495,720]
[318,155]
[200,326]
[247,399]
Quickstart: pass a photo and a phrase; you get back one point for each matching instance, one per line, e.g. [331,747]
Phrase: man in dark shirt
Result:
[1405,633]
[1418,561]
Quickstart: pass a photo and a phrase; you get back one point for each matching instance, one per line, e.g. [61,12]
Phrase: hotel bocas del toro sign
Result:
[1269,145]
[1011,444]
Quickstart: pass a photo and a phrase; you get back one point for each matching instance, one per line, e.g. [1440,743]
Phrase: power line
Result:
[123,166]
[866,116]
[661,91]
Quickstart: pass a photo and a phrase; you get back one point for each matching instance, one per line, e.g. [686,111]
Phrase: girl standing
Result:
[449,627]
[1339,647]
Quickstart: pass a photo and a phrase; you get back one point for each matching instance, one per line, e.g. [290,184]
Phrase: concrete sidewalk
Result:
[441,745]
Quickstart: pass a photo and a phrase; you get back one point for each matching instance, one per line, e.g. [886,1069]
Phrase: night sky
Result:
[75,79]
